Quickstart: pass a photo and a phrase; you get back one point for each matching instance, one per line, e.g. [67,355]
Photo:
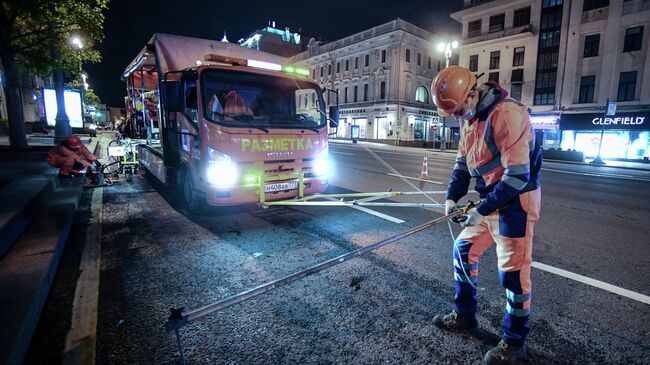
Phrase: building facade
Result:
[382,77]
[281,42]
[565,60]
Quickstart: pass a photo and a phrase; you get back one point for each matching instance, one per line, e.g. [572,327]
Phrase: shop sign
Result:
[597,121]
[622,121]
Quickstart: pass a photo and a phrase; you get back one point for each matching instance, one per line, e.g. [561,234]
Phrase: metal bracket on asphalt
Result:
[178,319]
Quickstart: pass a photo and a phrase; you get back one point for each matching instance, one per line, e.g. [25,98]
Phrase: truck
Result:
[227,125]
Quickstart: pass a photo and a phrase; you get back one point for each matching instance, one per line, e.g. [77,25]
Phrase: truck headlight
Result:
[322,164]
[222,171]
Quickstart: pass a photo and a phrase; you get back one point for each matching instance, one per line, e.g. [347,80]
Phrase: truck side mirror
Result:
[334,116]
[171,96]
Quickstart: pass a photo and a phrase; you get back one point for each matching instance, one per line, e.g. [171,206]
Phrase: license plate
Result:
[291,185]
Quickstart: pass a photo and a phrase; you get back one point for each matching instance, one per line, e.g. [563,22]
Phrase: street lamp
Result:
[446,47]
[77,42]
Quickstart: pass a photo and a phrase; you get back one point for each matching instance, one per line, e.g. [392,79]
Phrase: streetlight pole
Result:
[445,47]
[77,42]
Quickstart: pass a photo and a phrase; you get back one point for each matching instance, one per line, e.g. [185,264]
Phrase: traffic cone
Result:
[425,169]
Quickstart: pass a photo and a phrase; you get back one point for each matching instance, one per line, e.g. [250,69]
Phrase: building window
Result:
[551,20]
[546,79]
[493,76]
[345,95]
[356,63]
[633,38]
[547,60]
[518,57]
[474,28]
[382,90]
[515,91]
[347,65]
[313,73]
[497,22]
[408,55]
[422,94]
[587,85]
[544,99]
[439,65]
[626,86]
[367,60]
[551,3]
[592,44]
[517,75]
[329,69]
[473,63]
[321,71]
[594,4]
[549,39]
[356,92]
[383,56]
[365,92]
[521,18]
[495,57]
[419,59]
[429,63]
[338,67]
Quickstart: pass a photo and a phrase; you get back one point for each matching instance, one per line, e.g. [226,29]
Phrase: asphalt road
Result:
[154,258]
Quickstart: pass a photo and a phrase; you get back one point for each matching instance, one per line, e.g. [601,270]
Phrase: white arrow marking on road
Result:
[593,282]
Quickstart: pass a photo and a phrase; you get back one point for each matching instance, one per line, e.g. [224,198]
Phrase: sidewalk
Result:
[608,163]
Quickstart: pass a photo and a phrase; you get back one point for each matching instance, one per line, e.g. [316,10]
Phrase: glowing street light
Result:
[446,47]
[77,42]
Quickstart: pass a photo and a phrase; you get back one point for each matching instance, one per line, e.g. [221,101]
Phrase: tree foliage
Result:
[37,27]
[90,98]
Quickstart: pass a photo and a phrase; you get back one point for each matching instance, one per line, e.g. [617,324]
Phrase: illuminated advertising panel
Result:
[72,107]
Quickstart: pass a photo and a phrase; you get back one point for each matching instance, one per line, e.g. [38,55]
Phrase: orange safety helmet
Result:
[73,142]
[451,87]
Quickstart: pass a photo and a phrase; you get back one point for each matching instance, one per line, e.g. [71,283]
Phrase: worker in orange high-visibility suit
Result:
[498,148]
[71,157]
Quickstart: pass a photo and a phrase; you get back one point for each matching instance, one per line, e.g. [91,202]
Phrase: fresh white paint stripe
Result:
[595,283]
[415,178]
[375,213]
[613,176]
[81,338]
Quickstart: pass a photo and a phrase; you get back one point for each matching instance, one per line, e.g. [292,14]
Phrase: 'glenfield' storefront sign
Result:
[623,121]
[596,121]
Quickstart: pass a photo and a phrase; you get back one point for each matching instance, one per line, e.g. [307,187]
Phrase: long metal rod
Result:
[352,203]
[238,298]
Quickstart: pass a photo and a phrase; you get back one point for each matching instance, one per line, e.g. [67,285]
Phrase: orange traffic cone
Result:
[425,169]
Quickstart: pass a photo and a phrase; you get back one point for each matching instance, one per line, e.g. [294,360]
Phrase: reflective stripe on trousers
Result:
[511,227]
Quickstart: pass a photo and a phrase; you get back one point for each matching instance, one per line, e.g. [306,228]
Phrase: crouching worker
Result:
[72,157]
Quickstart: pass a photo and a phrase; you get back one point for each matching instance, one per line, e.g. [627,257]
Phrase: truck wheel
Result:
[193,201]
[128,175]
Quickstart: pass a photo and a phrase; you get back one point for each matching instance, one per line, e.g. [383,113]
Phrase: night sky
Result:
[130,24]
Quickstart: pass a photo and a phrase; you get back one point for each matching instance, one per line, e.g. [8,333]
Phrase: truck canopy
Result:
[165,52]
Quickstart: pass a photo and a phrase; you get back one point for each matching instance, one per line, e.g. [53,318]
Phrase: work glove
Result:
[450,206]
[472,218]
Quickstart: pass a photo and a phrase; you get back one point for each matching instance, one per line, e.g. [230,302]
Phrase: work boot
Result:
[504,354]
[453,321]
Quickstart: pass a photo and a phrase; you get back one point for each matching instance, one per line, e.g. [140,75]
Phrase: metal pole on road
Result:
[177,319]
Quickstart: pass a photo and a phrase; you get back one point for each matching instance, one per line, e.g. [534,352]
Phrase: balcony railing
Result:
[474,38]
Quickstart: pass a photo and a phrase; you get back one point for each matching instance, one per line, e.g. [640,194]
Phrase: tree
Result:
[90,98]
[30,30]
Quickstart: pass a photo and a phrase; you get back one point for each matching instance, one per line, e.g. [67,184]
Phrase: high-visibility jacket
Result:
[69,161]
[498,148]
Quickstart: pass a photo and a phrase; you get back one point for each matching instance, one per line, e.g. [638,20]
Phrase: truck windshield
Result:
[261,101]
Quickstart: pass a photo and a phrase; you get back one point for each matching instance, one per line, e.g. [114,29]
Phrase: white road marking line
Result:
[342,153]
[81,339]
[415,178]
[593,282]
[375,213]
[596,174]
